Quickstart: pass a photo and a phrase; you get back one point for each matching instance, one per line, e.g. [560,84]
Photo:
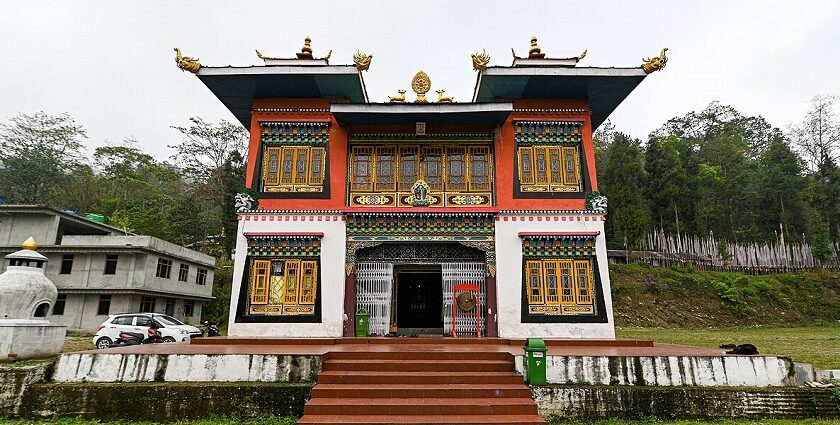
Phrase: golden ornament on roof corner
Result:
[444,99]
[480,61]
[362,60]
[398,98]
[30,244]
[421,84]
[582,55]
[655,63]
[186,63]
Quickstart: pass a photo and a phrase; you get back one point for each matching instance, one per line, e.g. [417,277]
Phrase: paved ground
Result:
[232,345]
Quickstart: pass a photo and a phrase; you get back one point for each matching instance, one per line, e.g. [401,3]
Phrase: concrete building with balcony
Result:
[101,270]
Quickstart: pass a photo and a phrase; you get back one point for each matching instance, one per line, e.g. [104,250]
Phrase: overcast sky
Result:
[110,64]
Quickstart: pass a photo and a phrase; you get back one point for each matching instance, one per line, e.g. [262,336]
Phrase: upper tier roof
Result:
[603,88]
[237,87]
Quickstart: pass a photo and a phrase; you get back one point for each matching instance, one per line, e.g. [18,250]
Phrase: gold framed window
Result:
[283,286]
[549,168]
[456,175]
[259,282]
[294,168]
[566,282]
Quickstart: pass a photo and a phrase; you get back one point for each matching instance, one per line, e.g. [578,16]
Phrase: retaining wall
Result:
[14,381]
[596,402]
[669,371]
[186,368]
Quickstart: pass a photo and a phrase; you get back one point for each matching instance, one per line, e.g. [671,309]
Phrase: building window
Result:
[384,175]
[169,309]
[147,304]
[58,308]
[189,308]
[548,157]
[201,277]
[164,268]
[66,264]
[549,169]
[183,273]
[560,283]
[104,305]
[111,264]
[294,169]
[285,282]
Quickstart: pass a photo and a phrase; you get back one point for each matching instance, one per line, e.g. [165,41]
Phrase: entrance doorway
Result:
[419,300]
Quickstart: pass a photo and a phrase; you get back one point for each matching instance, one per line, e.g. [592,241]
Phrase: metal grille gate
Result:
[463,273]
[374,281]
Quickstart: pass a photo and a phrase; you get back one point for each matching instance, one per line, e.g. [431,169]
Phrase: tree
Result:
[206,146]
[818,135]
[622,183]
[667,183]
[234,182]
[37,153]
[781,191]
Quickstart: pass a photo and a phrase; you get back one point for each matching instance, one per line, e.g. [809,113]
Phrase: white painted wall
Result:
[509,274]
[332,273]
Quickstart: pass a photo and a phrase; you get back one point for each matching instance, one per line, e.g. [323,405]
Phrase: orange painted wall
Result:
[505,150]
[337,151]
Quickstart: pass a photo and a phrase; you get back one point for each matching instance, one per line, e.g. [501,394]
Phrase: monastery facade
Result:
[477,218]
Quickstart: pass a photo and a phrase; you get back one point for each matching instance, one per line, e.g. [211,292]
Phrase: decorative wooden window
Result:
[409,165]
[456,175]
[558,277]
[259,282]
[431,166]
[294,157]
[284,275]
[548,157]
[361,169]
[479,168]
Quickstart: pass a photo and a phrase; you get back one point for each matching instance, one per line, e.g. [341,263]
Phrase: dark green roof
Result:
[603,88]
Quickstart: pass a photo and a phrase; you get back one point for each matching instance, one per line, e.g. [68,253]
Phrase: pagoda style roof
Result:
[237,87]
[408,113]
[603,88]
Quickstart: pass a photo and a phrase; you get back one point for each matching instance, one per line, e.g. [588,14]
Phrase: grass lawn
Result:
[717,422]
[290,421]
[818,345]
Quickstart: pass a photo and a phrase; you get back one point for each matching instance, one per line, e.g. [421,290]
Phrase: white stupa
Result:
[26,297]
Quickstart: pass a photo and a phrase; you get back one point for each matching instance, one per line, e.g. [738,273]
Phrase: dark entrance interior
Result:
[419,301]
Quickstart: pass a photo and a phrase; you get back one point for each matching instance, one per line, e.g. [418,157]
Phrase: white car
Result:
[171,329]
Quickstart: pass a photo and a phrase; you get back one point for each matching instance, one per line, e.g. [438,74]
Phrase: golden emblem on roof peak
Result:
[535,48]
[307,47]
[421,84]
[655,63]
[186,63]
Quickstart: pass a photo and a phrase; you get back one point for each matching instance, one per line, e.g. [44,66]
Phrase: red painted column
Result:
[492,314]
[350,305]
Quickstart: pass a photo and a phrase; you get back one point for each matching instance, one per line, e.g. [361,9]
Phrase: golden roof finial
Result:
[535,48]
[421,84]
[30,244]
[186,63]
[307,48]
[655,63]
[362,60]
[480,61]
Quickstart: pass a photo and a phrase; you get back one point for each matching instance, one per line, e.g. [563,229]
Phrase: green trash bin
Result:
[362,321]
[535,353]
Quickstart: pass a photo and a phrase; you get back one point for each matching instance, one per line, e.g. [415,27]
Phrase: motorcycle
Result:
[137,338]
[211,329]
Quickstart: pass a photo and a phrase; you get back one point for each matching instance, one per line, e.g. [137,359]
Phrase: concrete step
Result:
[419,365]
[421,391]
[420,406]
[377,378]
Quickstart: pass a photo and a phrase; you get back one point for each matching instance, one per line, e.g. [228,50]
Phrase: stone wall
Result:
[163,402]
[684,403]
[13,383]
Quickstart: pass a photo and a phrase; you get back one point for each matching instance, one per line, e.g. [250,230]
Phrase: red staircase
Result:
[414,387]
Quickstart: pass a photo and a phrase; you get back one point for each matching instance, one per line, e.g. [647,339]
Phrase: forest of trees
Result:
[718,172]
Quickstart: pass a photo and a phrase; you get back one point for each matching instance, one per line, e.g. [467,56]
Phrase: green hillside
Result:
[645,296]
